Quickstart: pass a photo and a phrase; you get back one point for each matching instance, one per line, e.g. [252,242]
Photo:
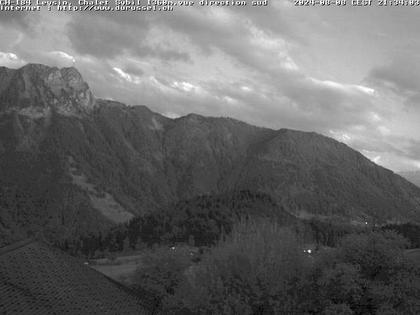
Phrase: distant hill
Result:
[71,163]
[413,176]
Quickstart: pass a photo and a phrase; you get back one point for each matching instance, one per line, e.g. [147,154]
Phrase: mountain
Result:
[71,164]
[413,176]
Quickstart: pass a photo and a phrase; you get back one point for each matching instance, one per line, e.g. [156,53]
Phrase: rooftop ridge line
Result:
[9,248]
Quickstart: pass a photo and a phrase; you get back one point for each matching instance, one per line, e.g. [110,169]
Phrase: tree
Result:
[162,272]
[259,269]
[378,254]
[370,274]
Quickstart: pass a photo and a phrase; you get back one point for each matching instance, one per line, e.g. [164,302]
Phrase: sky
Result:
[351,73]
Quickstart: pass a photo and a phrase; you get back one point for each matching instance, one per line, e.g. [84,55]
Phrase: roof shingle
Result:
[36,278]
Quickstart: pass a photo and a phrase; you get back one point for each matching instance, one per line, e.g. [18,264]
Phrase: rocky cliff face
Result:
[70,163]
[35,90]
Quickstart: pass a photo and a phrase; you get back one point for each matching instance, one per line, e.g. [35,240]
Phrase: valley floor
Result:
[414,254]
[120,269]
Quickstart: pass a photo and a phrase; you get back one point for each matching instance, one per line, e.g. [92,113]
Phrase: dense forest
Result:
[204,220]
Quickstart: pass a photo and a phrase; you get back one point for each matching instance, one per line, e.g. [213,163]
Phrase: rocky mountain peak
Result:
[73,78]
[37,89]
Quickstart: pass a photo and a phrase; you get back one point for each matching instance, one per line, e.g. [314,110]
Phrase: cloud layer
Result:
[346,73]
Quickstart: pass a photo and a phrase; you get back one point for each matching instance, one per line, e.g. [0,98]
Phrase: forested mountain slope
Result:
[71,163]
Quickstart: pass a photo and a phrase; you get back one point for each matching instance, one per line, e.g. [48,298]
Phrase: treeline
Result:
[200,221]
[409,230]
[204,220]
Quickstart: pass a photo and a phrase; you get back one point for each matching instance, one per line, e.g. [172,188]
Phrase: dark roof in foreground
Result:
[36,278]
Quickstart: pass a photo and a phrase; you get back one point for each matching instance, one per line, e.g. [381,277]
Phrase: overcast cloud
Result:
[348,73]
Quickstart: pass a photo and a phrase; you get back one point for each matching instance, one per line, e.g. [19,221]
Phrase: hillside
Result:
[413,176]
[71,163]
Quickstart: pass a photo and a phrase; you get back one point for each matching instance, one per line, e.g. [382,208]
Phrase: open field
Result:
[414,254]
[121,269]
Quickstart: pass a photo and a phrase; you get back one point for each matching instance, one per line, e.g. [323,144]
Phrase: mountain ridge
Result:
[82,163]
[411,176]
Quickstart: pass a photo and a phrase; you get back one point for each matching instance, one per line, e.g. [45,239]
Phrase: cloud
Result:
[349,89]
[101,37]
[397,83]
[133,68]
[57,58]
[105,36]
[11,60]
[186,87]
[402,74]
[126,76]
[278,66]
[15,18]
[61,55]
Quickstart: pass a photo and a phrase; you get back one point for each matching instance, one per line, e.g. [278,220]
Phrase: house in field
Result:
[36,278]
